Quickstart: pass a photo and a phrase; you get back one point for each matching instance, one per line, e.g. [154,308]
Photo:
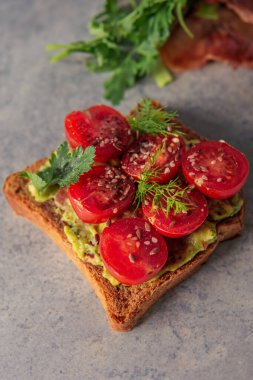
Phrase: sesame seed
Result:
[147,242]
[97,238]
[132,258]
[169,128]
[175,139]
[129,236]
[154,251]
[220,159]
[108,223]
[138,233]
[219,179]
[172,164]
[167,170]
[115,210]
[204,177]
[154,239]
[191,174]
[147,226]
[213,162]
[138,244]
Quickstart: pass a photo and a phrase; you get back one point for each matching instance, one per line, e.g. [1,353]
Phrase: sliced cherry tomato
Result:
[217,169]
[180,224]
[101,126]
[132,250]
[140,153]
[101,193]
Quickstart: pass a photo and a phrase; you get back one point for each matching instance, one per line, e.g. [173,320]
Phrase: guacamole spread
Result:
[84,237]
[222,209]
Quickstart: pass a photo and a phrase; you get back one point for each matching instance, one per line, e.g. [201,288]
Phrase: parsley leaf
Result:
[64,168]
[126,41]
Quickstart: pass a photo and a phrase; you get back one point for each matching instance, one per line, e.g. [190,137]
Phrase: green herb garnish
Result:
[153,119]
[167,197]
[64,168]
[126,41]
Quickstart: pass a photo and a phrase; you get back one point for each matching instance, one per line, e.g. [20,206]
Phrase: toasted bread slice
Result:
[124,305]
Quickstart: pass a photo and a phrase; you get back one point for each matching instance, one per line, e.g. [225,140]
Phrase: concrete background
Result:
[51,324]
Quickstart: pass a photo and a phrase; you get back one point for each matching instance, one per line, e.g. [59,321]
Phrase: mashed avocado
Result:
[183,250]
[82,237]
[45,196]
[222,209]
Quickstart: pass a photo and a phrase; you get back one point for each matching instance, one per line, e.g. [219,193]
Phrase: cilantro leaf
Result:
[38,182]
[64,168]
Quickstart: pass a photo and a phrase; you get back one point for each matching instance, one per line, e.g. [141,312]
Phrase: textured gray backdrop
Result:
[51,324]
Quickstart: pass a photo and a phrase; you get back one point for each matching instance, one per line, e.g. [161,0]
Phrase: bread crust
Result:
[124,305]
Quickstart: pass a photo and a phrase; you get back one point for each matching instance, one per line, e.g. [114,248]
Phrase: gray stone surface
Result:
[51,324]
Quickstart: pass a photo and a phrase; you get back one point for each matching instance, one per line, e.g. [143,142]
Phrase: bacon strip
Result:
[244,8]
[227,39]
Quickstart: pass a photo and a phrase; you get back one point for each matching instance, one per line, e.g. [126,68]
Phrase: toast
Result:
[124,305]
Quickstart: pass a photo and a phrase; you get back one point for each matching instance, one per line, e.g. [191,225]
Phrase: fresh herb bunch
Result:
[149,117]
[126,41]
[64,168]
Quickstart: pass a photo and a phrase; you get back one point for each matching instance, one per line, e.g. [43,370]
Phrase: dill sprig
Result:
[167,197]
[151,118]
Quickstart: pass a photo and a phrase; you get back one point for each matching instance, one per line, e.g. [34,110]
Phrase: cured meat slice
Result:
[227,39]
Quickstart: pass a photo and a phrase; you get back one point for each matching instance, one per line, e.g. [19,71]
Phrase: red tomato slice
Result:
[139,155]
[217,169]
[101,193]
[181,224]
[101,126]
[132,250]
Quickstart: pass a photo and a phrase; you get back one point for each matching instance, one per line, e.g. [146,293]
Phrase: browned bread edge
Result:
[124,305]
